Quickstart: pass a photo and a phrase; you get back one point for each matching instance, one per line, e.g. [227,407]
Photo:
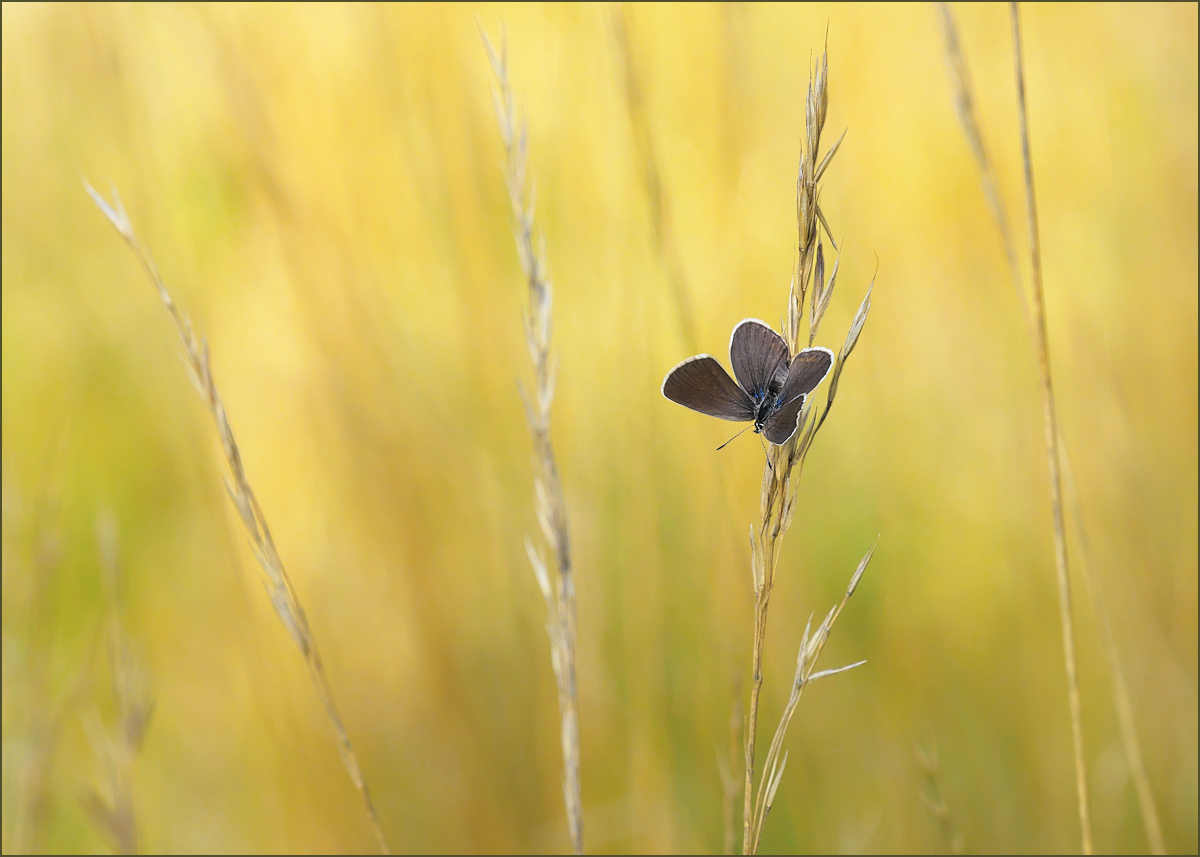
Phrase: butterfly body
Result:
[765,402]
[771,384]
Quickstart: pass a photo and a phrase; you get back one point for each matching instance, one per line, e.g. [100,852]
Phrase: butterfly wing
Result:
[702,384]
[808,369]
[757,354]
[782,422]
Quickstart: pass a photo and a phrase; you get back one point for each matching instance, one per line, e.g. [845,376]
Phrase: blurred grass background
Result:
[322,190]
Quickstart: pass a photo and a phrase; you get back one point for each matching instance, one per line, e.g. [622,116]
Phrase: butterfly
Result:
[771,385]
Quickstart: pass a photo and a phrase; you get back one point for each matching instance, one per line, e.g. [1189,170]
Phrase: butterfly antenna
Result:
[735,437]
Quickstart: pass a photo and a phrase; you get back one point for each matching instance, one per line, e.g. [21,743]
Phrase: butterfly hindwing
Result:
[806,371]
[782,422]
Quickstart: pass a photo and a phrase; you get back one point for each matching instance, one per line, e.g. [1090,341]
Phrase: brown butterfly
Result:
[770,388]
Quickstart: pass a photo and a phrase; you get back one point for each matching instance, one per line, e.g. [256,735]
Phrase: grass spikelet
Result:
[275,577]
[549,504]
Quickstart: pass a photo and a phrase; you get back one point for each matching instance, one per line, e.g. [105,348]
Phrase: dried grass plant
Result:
[275,577]
[785,464]
[111,808]
[558,593]
[968,116]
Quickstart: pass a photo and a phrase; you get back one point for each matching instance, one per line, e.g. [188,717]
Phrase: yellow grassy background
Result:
[321,188]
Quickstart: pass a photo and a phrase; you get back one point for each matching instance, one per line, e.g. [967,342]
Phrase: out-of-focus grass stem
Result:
[275,577]
[112,809]
[667,248]
[660,212]
[968,117]
[965,108]
[548,495]
[728,768]
[933,799]
[1050,418]
[1128,726]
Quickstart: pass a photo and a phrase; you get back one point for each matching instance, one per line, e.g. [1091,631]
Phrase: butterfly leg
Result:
[768,457]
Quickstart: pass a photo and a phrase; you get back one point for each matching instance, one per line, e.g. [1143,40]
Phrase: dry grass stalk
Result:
[931,796]
[1050,418]
[806,663]
[112,814]
[967,113]
[968,118]
[785,463]
[275,577]
[551,509]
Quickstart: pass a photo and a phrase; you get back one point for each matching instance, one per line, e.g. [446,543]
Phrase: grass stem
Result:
[1050,418]
[785,463]
[966,108]
[551,508]
[275,577]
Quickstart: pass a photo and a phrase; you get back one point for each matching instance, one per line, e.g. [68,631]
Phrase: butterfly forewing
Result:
[757,354]
[702,384]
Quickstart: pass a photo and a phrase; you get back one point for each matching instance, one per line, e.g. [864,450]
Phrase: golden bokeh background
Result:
[321,187]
